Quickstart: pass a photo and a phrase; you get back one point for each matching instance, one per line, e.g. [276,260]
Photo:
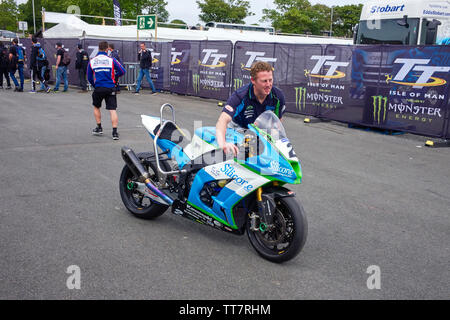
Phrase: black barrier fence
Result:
[404,88]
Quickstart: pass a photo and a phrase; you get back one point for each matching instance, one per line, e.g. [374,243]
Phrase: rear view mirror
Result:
[432,27]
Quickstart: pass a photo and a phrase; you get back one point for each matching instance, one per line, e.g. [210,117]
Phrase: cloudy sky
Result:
[188,11]
[190,16]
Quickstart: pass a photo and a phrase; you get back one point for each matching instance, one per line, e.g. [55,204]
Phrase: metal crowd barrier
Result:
[130,77]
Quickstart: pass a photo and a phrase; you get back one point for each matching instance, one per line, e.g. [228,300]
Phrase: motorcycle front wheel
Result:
[286,238]
[139,205]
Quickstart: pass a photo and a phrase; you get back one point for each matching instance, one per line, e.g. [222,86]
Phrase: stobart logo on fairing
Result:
[229,170]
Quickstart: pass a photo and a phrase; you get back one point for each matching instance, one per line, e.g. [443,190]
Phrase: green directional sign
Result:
[147,22]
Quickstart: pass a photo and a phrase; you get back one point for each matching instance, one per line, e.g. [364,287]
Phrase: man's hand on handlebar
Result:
[230,147]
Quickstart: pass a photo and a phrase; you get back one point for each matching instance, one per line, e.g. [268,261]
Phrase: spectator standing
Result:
[4,66]
[145,62]
[38,65]
[19,53]
[101,73]
[61,68]
[115,54]
[81,65]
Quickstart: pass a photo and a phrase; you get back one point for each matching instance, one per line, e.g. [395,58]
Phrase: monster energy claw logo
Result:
[300,98]
[237,84]
[379,104]
[196,82]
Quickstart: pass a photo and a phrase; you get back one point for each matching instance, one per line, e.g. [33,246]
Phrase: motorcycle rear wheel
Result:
[288,236]
[140,206]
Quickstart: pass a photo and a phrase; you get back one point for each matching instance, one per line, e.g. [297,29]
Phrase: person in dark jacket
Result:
[38,64]
[115,54]
[81,65]
[145,62]
[4,66]
[17,53]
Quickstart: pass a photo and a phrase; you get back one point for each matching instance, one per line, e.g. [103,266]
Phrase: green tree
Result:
[227,11]
[345,18]
[290,16]
[8,15]
[299,16]
[101,8]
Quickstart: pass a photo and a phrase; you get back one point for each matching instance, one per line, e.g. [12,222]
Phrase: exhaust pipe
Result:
[136,167]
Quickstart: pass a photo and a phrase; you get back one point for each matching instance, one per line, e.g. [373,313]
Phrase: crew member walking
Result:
[101,71]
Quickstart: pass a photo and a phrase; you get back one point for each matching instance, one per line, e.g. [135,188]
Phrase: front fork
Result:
[266,209]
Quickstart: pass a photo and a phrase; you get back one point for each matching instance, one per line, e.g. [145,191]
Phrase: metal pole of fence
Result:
[34,18]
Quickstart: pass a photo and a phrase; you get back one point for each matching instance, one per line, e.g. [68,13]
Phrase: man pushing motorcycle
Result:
[248,102]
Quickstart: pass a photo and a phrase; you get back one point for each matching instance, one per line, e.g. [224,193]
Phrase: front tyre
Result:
[286,238]
[139,205]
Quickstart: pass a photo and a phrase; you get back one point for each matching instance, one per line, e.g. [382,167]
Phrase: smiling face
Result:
[262,83]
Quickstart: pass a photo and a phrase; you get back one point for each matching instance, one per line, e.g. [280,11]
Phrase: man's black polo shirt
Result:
[245,107]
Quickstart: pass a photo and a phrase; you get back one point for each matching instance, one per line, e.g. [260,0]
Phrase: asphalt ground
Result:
[370,199]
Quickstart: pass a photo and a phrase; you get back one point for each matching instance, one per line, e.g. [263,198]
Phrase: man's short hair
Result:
[258,67]
[33,39]
[111,45]
[15,41]
[103,45]
[59,44]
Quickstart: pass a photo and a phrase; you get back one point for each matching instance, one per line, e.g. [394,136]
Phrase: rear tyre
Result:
[139,205]
[288,236]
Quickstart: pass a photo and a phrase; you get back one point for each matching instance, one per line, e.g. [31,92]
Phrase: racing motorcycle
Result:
[233,193]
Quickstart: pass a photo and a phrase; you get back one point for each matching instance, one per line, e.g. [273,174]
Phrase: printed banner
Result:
[411,92]
[393,87]
[179,66]
[211,69]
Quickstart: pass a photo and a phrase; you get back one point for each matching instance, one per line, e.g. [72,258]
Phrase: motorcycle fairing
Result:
[237,188]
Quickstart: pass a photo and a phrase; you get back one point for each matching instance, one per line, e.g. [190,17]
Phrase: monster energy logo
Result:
[196,82]
[300,98]
[379,104]
[237,84]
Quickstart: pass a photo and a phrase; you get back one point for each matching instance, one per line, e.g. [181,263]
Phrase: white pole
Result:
[331,23]
[34,18]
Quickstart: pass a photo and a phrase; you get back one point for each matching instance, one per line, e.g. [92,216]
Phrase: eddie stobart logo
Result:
[212,54]
[230,171]
[328,61]
[256,56]
[379,109]
[387,8]
[300,98]
[424,73]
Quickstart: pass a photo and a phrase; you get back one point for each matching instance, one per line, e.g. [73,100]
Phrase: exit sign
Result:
[147,22]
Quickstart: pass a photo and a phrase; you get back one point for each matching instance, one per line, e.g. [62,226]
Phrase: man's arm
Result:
[221,129]
[58,60]
[119,69]
[90,75]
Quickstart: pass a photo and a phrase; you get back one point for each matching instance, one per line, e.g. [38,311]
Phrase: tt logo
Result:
[155,55]
[256,56]
[212,53]
[328,61]
[420,65]
[175,55]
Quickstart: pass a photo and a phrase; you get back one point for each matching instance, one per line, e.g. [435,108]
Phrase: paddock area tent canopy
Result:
[70,26]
